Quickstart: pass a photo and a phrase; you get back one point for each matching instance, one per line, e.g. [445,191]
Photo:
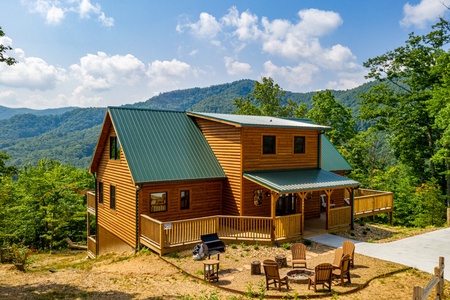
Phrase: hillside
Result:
[70,134]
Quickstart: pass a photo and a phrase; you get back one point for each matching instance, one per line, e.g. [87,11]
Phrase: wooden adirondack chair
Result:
[273,275]
[338,253]
[349,248]
[343,270]
[298,255]
[322,276]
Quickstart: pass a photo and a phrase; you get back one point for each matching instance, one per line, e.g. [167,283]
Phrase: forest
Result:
[394,131]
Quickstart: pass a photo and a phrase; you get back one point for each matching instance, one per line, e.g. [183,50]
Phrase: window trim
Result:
[112,197]
[189,198]
[274,145]
[166,204]
[304,144]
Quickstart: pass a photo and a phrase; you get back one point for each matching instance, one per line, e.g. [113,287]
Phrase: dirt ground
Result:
[71,275]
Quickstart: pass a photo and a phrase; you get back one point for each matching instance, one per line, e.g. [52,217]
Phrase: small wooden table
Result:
[211,270]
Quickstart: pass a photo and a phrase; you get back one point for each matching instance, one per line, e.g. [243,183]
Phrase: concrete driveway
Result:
[421,251]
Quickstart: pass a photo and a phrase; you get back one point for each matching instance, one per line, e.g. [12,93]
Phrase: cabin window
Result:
[112,197]
[158,202]
[184,199]
[299,144]
[269,144]
[100,192]
[114,148]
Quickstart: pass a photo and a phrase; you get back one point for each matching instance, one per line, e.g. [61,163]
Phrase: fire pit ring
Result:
[299,275]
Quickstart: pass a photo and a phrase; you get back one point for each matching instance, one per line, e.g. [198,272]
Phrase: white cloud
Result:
[102,72]
[236,68]
[54,11]
[426,11]
[295,77]
[31,73]
[246,24]
[167,74]
[206,27]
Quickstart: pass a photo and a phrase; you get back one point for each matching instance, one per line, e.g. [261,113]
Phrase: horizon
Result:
[97,53]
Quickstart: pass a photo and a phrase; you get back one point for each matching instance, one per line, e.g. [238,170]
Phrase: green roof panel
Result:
[290,181]
[332,159]
[163,145]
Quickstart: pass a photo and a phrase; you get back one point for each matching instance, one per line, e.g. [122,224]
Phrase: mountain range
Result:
[69,134]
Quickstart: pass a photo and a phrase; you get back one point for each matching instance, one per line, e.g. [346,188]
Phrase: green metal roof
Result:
[290,181]
[261,121]
[332,159]
[163,145]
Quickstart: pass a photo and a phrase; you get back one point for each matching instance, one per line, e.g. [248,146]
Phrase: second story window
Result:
[114,148]
[299,144]
[269,144]
[184,199]
[100,192]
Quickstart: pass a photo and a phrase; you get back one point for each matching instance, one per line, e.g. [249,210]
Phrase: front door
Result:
[286,205]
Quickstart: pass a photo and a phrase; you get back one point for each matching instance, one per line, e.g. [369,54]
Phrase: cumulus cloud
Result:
[426,11]
[31,73]
[165,74]
[206,27]
[55,11]
[246,24]
[236,68]
[295,76]
[102,72]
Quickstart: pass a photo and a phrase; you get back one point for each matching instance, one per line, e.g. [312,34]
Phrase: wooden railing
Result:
[160,235]
[92,245]
[91,201]
[371,202]
[420,293]
[287,227]
[340,217]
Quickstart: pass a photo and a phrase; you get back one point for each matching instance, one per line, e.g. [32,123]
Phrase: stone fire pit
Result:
[299,275]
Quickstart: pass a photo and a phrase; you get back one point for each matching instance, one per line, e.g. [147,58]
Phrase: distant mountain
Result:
[70,134]
[7,112]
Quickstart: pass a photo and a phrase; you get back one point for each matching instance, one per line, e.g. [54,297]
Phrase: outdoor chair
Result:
[298,255]
[338,253]
[273,275]
[349,248]
[343,270]
[322,276]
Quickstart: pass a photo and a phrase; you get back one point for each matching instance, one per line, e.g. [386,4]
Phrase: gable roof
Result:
[332,159]
[259,121]
[161,145]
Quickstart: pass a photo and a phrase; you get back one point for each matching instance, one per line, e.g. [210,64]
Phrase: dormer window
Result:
[269,144]
[114,148]
[299,144]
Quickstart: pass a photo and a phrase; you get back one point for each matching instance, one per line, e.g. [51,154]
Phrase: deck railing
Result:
[161,236]
[92,245]
[371,202]
[340,217]
[91,201]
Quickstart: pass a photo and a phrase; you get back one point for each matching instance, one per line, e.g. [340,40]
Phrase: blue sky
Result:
[98,53]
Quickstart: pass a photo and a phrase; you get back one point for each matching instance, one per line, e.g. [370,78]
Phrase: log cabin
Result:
[164,178]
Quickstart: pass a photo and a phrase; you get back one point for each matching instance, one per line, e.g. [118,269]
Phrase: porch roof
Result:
[290,181]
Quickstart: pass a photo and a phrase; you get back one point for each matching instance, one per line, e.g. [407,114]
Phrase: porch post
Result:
[273,201]
[328,192]
[302,196]
[352,210]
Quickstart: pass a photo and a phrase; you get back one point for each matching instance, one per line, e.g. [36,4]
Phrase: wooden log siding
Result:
[122,220]
[225,141]
[205,199]
[253,159]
